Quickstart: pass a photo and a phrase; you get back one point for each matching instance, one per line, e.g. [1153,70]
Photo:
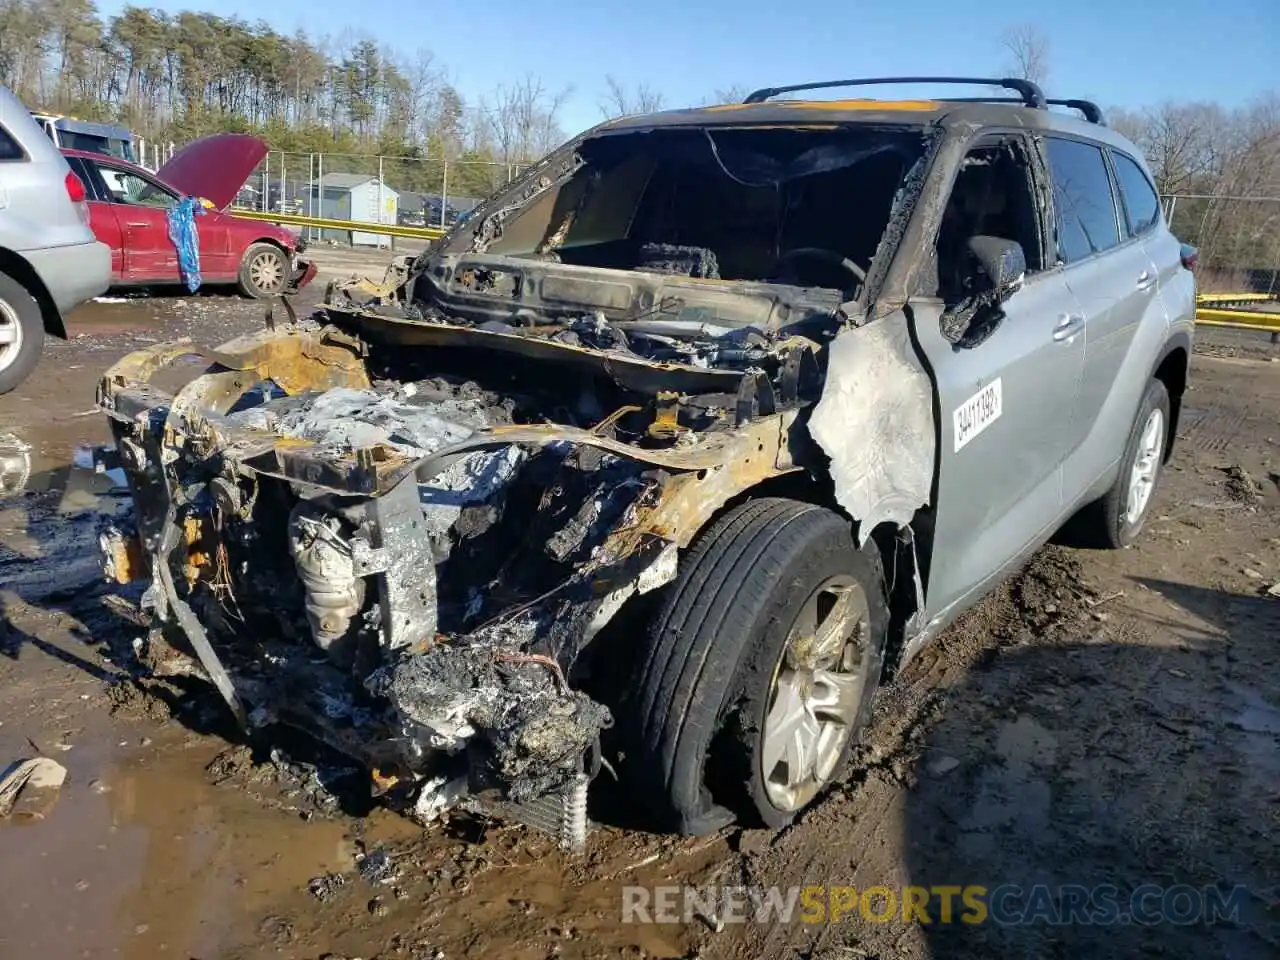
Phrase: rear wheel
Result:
[760,668]
[1118,517]
[21,333]
[264,271]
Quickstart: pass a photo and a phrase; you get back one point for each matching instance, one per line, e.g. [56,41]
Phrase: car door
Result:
[220,248]
[1003,403]
[141,208]
[102,215]
[1112,277]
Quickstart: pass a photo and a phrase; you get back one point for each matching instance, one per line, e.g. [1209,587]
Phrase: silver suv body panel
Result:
[38,223]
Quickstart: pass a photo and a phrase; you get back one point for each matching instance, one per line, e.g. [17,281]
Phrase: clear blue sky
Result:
[1112,51]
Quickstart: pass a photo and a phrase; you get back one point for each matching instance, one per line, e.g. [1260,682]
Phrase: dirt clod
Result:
[327,887]
[1241,487]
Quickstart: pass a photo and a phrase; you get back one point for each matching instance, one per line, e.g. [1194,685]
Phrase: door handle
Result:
[1069,324]
[1146,279]
[140,226]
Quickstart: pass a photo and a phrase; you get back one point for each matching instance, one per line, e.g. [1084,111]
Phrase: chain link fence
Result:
[1238,238]
[409,191]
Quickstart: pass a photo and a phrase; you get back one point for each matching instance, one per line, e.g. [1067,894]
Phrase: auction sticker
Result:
[977,413]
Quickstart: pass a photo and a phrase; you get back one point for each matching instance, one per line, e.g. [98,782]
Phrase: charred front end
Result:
[404,525]
[405,549]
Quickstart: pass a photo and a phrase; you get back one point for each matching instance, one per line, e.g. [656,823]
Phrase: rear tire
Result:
[21,333]
[732,677]
[1117,518]
[264,271]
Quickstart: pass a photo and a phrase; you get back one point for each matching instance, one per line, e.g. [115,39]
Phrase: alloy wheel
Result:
[816,693]
[1146,465]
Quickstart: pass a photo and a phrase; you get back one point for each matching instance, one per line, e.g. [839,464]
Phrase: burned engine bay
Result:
[399,524]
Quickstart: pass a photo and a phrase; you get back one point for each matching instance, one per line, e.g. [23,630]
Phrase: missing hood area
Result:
[409,524]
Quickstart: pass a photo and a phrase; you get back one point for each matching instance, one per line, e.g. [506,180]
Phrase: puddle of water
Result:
[52,501]
[1256,735]
[141,858]
[108,315]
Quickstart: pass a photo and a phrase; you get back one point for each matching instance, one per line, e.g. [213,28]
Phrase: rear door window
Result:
[1141,204]
[10,149]
[1084,206]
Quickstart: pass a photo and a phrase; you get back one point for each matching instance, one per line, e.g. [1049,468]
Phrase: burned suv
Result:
[666,458]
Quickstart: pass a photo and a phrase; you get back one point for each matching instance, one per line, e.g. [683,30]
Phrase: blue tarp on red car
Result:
[186,239]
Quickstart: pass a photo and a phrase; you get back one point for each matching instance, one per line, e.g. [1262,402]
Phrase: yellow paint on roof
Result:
[860,104]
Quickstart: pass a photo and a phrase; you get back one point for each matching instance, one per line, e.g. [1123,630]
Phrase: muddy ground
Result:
[1103,718]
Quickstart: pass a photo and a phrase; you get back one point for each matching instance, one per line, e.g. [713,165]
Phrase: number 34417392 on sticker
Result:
[977,413]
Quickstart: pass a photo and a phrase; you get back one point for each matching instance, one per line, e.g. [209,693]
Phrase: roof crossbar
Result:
[1091,111]
[1030,92]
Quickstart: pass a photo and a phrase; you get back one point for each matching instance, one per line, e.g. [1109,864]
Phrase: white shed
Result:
[359,197]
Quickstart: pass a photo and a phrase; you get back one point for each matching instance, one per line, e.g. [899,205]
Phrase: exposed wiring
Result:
[538,658]
[715,152]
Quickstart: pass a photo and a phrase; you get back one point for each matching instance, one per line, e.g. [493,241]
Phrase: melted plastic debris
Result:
[343,418]
[377,867]
[474,480]
[536,729]
[593,331]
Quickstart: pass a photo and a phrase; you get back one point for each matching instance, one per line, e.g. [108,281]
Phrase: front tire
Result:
[264,271]
[21,333]
[1122,511]
[760,667]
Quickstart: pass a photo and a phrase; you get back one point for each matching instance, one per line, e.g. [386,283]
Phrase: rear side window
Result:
[9,147]
[1085,208]
[1141,205]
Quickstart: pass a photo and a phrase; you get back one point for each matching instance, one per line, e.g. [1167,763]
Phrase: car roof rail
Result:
[1092,112]
[1030,92]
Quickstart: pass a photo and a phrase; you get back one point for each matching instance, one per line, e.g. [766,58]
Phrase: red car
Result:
[128,212]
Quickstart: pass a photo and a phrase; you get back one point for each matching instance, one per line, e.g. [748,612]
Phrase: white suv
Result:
[49,259]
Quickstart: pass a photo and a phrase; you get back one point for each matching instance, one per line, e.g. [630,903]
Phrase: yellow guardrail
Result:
[1229,299]
[324,223]
[1240,319]
[1237,297]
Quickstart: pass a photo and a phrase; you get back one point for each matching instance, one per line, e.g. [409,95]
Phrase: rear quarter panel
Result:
[37,213]
[1177,284]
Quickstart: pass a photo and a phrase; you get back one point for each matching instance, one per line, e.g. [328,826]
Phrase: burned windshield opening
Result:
[804,206]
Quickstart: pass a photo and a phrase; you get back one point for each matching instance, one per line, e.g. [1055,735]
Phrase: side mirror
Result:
[1002,261]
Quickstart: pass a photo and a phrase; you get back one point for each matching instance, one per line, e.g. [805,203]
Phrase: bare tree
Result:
[1221,166]
[619,100]
[522,120]
[1181,141]
[424,82]
[734,93]
[1028,51]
